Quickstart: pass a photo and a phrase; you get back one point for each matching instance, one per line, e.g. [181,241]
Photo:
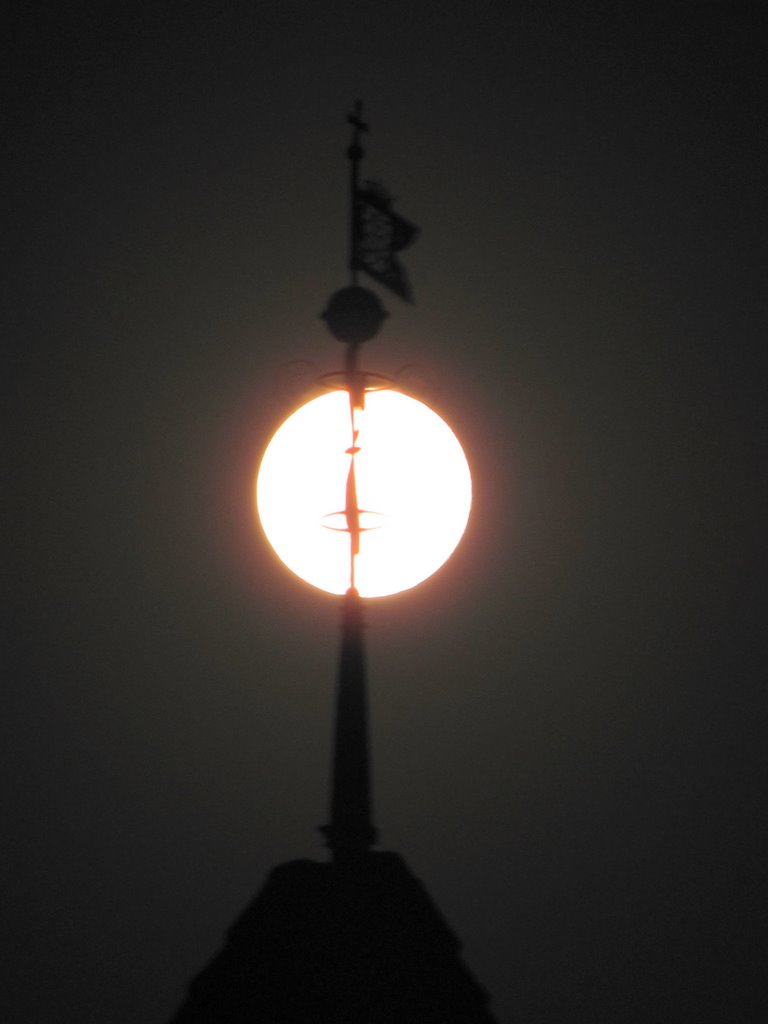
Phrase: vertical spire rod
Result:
[356,393]
[350,833]
[355,153]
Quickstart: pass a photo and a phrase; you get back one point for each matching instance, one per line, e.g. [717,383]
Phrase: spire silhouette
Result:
[356,940]
[350,833]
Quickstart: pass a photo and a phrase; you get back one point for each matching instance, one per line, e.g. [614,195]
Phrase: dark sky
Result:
[569,720]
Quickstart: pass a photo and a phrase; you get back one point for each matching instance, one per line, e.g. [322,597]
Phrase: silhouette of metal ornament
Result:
[365,461]
[364,491]
[354,314]
[377,233]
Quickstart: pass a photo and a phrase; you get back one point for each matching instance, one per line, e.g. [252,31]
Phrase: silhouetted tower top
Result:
[329,946]
[356,940]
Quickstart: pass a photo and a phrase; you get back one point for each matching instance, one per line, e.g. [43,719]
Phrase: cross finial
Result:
[355,154]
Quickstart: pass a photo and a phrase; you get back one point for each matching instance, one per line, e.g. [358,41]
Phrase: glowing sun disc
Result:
[413,487]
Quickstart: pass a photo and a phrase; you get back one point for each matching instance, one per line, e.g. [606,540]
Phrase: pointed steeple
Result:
[350,833]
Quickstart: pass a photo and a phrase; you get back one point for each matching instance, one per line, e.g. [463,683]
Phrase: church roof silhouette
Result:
[354,939]
[333,944]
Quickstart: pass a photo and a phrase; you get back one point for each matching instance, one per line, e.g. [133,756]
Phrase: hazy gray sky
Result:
[569,719]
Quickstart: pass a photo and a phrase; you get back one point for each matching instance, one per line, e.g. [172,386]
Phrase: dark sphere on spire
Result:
[354,315]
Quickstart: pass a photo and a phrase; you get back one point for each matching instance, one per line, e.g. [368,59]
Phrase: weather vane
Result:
[364,459]
[370,462]
[354,314]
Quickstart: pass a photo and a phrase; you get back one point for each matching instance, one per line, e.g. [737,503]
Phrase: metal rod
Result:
[355,153]
[355,389]
[350,833]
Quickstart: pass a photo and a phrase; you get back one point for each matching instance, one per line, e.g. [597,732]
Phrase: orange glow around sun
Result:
[413,488]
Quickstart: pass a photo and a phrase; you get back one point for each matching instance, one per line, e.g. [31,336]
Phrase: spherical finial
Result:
[354,315]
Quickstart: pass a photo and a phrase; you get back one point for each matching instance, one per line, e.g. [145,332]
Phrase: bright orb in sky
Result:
[414,491]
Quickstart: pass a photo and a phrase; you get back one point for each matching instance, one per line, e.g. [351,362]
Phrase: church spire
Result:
[350,833]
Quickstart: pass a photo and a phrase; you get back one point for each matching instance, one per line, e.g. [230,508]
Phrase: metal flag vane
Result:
[377,233]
